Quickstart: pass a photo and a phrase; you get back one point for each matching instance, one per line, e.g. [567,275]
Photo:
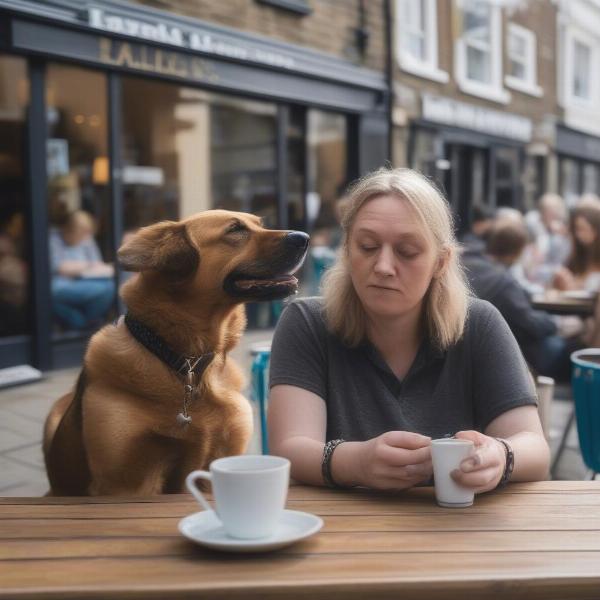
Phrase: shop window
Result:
[186,150]
[417,35]
[326,181]
[14,242]
[522,57]
[478,52]
[83,288]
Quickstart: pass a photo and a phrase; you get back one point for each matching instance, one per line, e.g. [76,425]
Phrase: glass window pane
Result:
[415,46]
[581,70]
[476,20]
[327,180]
[185,150]
[517,69]
[14,242]
[478,65]
[83,289]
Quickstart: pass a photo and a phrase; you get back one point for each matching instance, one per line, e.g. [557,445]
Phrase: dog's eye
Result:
[237,227]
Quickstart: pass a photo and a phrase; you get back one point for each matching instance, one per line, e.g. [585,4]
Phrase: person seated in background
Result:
[482,219]
[550,245]
[491,279]
[582,271]
[396,352]
[83,289]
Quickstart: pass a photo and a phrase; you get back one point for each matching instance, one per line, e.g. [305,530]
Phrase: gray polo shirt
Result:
[465,387]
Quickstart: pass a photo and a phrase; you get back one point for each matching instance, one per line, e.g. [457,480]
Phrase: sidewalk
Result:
[23,411]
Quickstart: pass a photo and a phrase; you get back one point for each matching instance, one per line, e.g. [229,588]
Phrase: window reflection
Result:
[80,252]
[14,260]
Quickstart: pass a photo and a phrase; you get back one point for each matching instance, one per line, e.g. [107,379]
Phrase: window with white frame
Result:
[522,59]
[478,56]
[417,47]
[582,66]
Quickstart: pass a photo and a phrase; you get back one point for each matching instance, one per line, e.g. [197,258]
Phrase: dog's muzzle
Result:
[273,278]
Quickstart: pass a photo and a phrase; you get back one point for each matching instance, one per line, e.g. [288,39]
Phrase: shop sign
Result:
[468,116]
[154,60]
[185,37]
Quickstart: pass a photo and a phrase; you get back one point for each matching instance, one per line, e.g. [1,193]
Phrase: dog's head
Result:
[219,252]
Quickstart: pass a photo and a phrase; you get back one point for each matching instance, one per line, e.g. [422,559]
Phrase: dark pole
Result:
[40,267]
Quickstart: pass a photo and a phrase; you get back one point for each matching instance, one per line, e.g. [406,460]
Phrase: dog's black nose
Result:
[297,238]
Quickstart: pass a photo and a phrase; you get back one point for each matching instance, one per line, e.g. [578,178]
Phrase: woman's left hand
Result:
[484,468]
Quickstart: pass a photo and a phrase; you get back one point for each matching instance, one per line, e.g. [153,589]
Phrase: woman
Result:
[583,268]
[396,353]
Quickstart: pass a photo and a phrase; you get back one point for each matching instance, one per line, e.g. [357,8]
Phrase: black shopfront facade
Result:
[476,155]
[135,115]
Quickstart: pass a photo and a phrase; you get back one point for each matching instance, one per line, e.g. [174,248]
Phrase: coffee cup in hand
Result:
[249,492]
[446,455]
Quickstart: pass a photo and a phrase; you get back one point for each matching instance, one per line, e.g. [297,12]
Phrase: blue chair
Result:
[586,392]
[260,387]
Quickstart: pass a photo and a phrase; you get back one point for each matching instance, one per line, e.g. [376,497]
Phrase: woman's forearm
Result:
[532,456]
[306,456]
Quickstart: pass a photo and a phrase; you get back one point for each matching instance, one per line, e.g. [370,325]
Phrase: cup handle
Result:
[190,482]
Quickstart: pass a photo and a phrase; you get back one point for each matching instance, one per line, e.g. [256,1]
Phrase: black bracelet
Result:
[508,465]
[330,446]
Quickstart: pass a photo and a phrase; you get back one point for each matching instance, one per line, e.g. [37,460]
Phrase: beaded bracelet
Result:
[328,449]
[509,464]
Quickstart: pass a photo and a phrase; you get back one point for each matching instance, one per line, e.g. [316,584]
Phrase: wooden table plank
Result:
[362,574]
[325,543]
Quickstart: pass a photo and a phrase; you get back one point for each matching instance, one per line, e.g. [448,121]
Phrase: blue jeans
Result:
[82,303]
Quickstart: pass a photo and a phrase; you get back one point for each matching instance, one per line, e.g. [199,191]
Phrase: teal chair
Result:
[260,387]
[586,393]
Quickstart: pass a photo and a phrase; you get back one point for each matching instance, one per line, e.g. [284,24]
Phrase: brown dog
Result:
[158,395]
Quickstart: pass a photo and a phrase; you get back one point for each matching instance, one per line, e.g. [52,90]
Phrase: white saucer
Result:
[205,529]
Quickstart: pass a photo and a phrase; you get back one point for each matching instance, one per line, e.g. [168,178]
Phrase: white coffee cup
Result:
[249,491]
[447,454]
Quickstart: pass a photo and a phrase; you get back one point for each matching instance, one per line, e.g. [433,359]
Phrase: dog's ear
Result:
[163,247]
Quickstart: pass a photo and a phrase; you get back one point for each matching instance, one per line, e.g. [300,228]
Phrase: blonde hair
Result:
[446,301]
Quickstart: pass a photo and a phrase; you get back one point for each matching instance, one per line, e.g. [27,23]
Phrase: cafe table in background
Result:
[536,540]
[578,303]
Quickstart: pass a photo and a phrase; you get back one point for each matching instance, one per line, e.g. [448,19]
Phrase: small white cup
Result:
[447,454]
[249,491]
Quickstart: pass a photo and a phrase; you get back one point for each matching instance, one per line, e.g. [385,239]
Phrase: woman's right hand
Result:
[395,460]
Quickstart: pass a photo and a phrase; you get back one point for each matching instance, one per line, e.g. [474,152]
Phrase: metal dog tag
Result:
[183,419]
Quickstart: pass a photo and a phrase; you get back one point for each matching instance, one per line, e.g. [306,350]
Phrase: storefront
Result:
[477,155]
[579,164]
[134,116]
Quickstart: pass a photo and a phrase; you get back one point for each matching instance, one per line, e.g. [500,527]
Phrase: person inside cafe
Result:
[396,353]
[545,350]
[83,288]
[582,271]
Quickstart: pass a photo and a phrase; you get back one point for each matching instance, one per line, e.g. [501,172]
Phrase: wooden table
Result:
[529,541]
[557,304]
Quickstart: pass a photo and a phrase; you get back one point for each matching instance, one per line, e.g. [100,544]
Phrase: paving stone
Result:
[31,455]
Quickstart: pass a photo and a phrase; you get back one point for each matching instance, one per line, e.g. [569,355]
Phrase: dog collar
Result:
[192,367]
